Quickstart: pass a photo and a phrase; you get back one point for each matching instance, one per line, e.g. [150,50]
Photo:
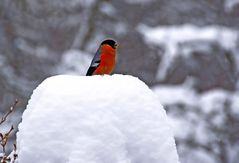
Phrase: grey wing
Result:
[96,60]
[94,63]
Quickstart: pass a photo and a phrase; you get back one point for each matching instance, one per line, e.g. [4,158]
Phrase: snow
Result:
[208,101]
[108,9]
[39,51]
[172,38]
[230,4]
[139,1]
[34,4]
[235,102]
[187,32]
[194,112]
[202,156]
[96,119]
[213,99]
[180,94]
[74,62]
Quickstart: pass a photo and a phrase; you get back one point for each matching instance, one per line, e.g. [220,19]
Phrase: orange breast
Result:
[107,63]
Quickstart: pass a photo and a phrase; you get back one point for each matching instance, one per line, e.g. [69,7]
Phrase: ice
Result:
[95,119]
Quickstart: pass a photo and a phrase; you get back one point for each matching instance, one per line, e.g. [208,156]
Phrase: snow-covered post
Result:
[96,119]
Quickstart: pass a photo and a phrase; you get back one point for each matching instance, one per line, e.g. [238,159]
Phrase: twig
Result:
[5,137]
[15,155]
[12,108]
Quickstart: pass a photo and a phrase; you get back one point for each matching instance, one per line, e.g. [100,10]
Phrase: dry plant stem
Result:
[5,137]
[15,153]
[12,108]
[5,159]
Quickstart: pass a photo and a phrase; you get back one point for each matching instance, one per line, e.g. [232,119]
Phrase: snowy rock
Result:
[97,119]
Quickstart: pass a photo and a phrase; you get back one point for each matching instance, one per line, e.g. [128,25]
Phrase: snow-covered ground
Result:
[96,119]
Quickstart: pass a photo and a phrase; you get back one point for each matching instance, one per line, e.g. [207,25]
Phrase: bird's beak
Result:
[116,46]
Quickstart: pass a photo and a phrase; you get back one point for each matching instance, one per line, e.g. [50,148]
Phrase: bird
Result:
[104,60]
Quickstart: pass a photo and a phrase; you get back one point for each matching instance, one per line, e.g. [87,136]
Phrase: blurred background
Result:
[185,50]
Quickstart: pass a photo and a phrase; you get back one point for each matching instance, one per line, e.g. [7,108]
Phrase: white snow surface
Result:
[95,119]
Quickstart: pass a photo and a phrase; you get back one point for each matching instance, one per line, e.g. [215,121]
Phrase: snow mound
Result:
[96,119]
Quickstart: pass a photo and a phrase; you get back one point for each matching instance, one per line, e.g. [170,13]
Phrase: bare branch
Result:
[15,155]
[4,137]
[12,108]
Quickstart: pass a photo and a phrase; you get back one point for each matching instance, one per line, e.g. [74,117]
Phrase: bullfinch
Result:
[104,59]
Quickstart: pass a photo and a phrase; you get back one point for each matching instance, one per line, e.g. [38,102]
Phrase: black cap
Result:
[110,42]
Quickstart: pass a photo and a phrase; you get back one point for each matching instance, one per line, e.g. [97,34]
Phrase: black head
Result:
[112,43]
